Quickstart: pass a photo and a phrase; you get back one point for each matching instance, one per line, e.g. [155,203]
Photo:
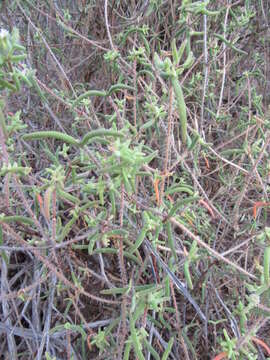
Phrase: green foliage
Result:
[135,178]
[12,53]
[169,70]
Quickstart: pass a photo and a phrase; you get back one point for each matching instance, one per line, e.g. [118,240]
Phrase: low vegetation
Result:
[134,179]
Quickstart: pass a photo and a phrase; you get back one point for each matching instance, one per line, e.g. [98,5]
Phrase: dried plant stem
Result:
[135,93]
[2,137]
[4,156]
[168,142]
[210,250]
[248,179]
[46,337]
[107,24]
[64,78]
[224,63]
[206,71]
[123,325]
[6,311]
[52,267]
[178,323]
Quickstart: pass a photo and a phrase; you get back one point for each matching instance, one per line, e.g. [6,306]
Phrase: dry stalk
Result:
[248,179]
[210,250]
[52,268]
[178,323]
[168,142]
[123,326]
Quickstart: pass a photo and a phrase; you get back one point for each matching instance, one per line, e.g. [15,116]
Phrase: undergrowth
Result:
[134,206]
